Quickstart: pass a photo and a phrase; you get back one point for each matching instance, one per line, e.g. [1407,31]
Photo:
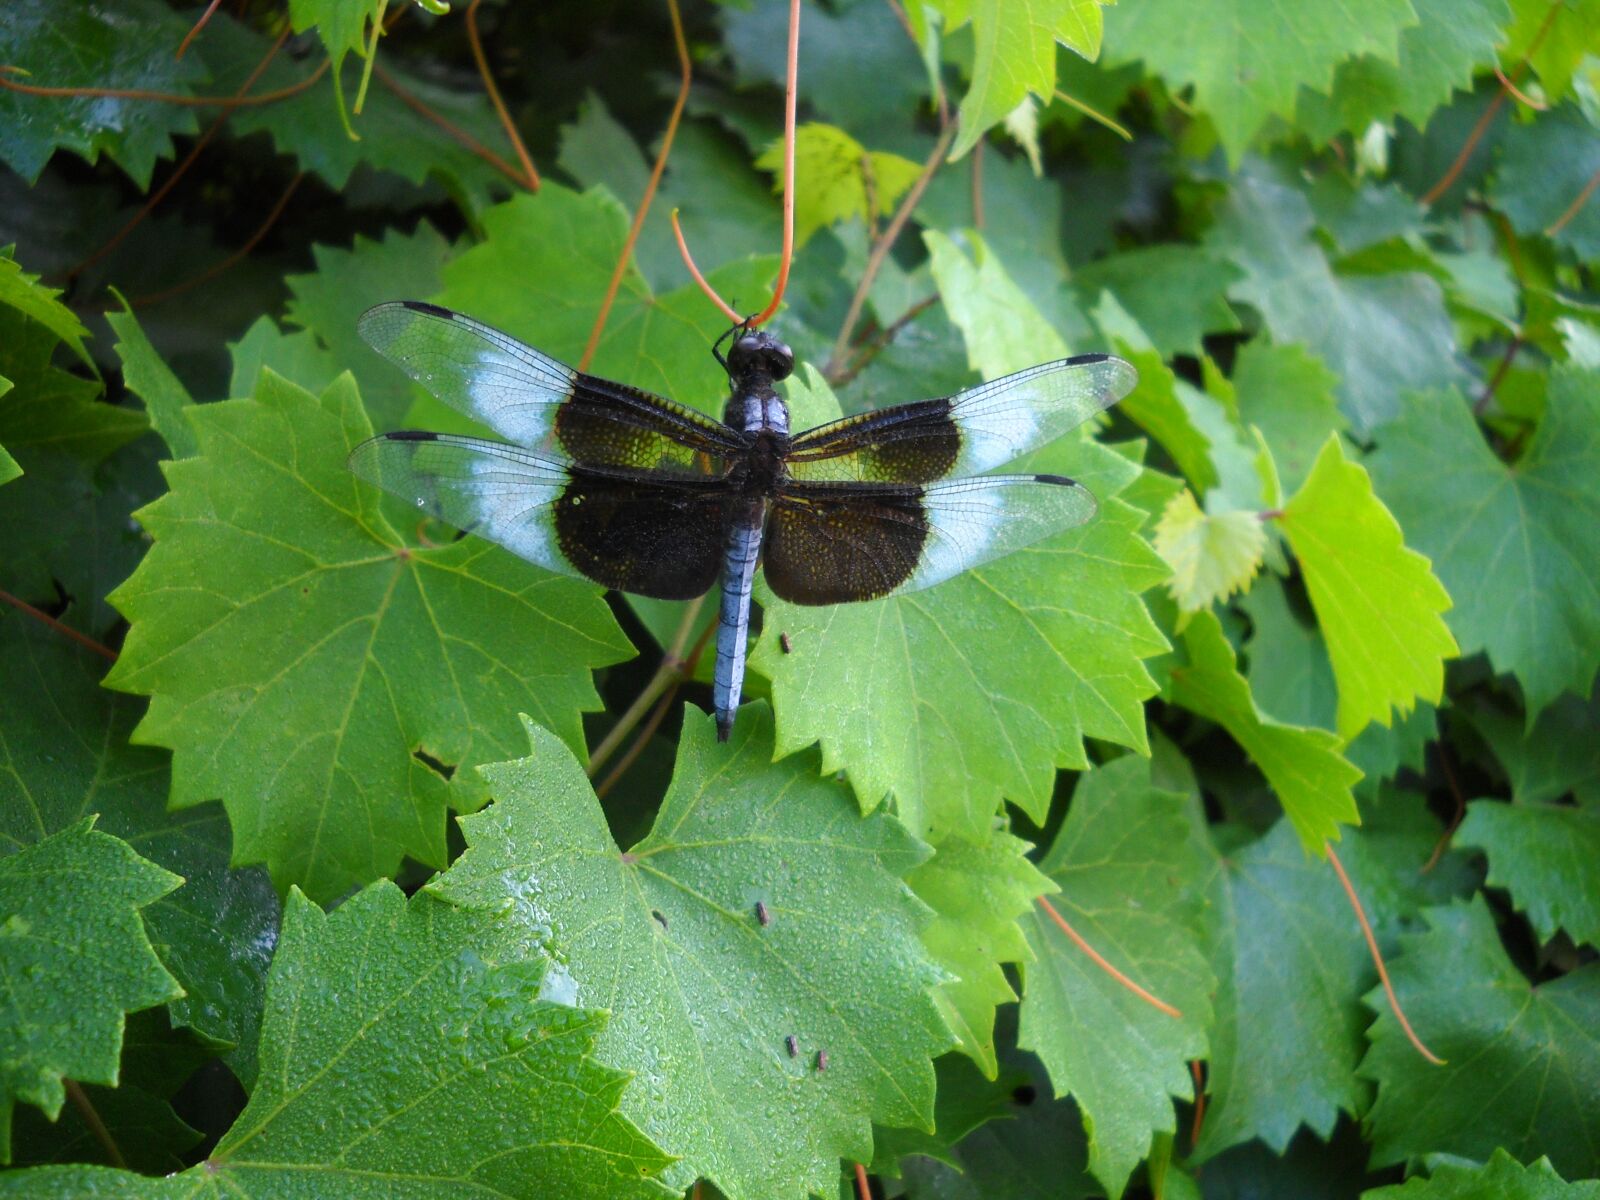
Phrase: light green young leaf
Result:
[1377,601]
[1248,59]
[299,651]
[401,1057]
[1555,39]
[831,172]
[75,957]
[1548,857]
[1303,766]
[1129,869]
[1508,539]
[24,293]
[1016,53]
[8,465]
[1501,1178]
[148,377]
[703,994]
[298,356]
[1522,1063]
[977,891]
[1212,555]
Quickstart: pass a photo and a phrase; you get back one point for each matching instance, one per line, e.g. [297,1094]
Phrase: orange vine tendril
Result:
[1575,207]
[863,1188]
[1460,813]
[227,102]
[1377,958]
[82,639]
[531,176]
[231,261]
[685,70]
[787,256]
[1482,126]
[461,135]
[194,31]
[1521,96]
[1099,961]
[182,168]
[91,1118]
[1198,1073]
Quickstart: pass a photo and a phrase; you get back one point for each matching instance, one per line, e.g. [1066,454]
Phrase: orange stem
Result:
[1575,207]
[228,102]
[685,70]
[1483,122]
[194,32]
[1099,961]
[863,1188]
[791,91]
[461,135]
[531,176]
[1199,1104]
[232,259]
[1511,87]
[1377,958]
[182,168]
[82,639]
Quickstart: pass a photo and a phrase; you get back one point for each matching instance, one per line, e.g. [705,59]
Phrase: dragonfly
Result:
[641,494]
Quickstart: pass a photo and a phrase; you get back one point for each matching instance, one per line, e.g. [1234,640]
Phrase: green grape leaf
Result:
[24,293]
[215,933]
[299,652]
[1176,293]
[346,283]
[1158,405]
[1302,766]
[831,178]
[473,1078]
[1522,1062]
[1501,1178]
[1291,678]
[81,44]
[977,891]
[540,273]
[1555,38]
[964,1100]
[1548,857]
[1038,1153]
[148,377]
[1003,329]
[1129,867]
[1212,555]
[1015,54]
[1025,657]
[8,465]
[1381,334]
[1377,601]
[149,1135]
[1293,968]
[76,957]
[393,135]
[1452,40]
[341,24]
[1248,59]
[1560,754]
[298,356]
[669,937]
[1287,393]
[1507,539]
[1545,169]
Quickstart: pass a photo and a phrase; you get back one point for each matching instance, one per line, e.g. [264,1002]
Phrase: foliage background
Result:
[1344,588]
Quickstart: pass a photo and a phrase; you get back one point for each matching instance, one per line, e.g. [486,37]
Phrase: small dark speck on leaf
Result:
[442,769]
[792,1044]
[822,1060]
[762,914]
[658,915]
[783,640]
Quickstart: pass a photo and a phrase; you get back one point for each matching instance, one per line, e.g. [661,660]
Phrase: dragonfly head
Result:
[759,351]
